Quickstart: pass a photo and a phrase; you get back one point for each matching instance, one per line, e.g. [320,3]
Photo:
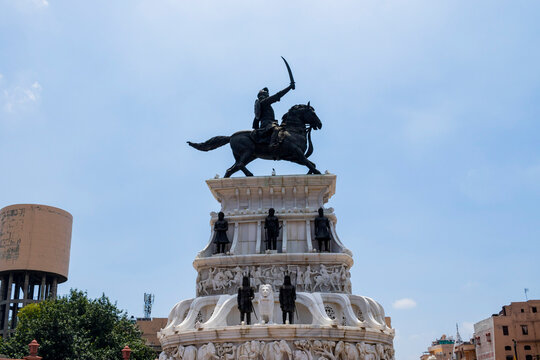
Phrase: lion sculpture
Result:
[266,303]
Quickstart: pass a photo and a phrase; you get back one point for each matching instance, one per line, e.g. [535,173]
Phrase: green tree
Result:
[75,327]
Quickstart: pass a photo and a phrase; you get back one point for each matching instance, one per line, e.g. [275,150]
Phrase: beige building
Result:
[440,349]
[515,330]
[465,351]
[35,243]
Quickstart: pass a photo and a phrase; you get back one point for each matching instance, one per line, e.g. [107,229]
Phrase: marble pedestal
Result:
[330,322]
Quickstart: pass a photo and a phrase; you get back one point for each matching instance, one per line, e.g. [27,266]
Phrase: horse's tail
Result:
[211,144]
[310,144]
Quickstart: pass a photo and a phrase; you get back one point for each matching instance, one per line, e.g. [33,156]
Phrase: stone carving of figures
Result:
[303,350]
[366,351]
[347,351]
[163,356]
[322,231]
[204,285]
[256,349]
[277,276]
[346,279]
[229,278]
[207,352]
[276,350]
[307,279]
[220,238]
[324,349]
[220,280]
[388,353]
[226,351]
[229,351]
[379,352]
[299,279]
[237,280]
[257,277]
[186,353]
[335,278]
[243,351]
[244,298]
[323,279]
[271,224]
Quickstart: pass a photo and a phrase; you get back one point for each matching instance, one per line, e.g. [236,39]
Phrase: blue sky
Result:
[430,120]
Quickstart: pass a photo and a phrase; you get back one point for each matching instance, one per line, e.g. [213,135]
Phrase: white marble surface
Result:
[330,322]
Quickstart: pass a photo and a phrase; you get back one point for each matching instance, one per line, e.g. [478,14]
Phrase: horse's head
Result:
[302,113]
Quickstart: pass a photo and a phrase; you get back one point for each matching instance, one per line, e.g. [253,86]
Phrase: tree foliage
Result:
[75,327]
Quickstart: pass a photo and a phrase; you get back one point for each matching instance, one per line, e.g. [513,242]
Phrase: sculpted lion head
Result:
[265,290]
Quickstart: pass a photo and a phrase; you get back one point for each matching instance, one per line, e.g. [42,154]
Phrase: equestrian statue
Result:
[290,140]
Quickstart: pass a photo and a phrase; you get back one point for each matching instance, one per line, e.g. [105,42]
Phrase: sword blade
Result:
[289,71]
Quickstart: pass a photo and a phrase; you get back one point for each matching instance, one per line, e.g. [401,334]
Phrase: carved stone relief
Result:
[316,278]
[279,350]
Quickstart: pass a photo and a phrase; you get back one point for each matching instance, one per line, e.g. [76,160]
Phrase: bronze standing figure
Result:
[220,238]
[322,231]
[271,224]
[244,298]
[287,298]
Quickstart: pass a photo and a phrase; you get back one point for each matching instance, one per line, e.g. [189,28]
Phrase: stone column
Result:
[25,288]
[309,242]
[42,288]
[54,288]
[259,238]
[284,237]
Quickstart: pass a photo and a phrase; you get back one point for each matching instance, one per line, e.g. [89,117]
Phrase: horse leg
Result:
[310,171]
[244,169]
[240,164]
[232,170]
[302,160]
[296,155]
[242,148]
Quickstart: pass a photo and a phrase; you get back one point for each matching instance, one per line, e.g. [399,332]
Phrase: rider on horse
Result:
[265,125]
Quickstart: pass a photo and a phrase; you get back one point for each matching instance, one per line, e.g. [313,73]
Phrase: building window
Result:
[524,329]
[505,330]
[527,347]
[534,309]
[508,348]
[509,357]
[528,357]
[488,337]
[522,310]
[478,340]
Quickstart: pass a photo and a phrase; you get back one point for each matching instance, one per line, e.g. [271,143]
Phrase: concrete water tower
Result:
[35,243]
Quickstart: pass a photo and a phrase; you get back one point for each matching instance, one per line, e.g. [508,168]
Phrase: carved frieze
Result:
[278,350]
[309,278]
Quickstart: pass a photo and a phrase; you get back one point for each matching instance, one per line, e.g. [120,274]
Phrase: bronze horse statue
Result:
[296,126]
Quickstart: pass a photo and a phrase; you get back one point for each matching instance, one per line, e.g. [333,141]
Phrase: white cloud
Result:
[404,303]
[20,97]
[40,3]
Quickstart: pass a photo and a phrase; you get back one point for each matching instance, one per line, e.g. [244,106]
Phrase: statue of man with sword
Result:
[265,125]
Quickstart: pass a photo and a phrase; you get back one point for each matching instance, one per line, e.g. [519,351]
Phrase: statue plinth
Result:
[329,319]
